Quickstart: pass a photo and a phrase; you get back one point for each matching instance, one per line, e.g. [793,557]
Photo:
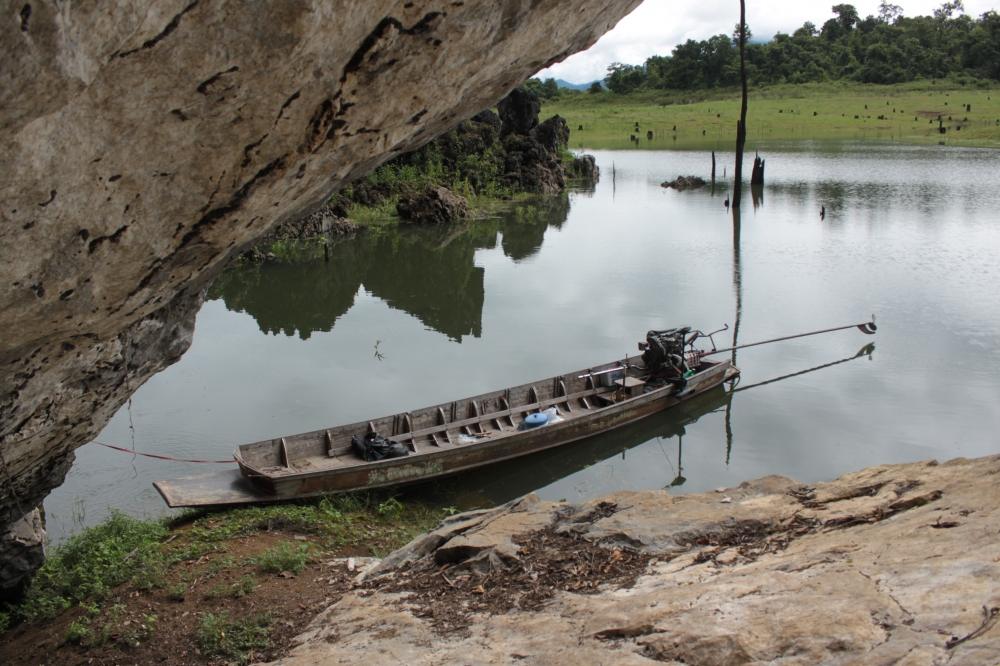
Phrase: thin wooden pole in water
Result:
[741,126]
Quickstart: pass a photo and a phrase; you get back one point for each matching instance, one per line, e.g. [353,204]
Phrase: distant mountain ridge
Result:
[562,83]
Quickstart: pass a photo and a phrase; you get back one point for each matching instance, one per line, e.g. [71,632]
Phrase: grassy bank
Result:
[905,113]
[391,181]
[489,196]
[229,587]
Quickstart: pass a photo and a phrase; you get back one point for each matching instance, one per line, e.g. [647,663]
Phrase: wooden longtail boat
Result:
[456,436]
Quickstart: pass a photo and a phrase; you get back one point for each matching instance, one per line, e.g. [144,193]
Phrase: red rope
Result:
[162,457]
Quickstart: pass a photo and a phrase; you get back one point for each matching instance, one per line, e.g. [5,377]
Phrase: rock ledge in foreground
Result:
[892,564]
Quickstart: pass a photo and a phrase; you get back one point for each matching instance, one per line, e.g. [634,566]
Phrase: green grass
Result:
[284,557]
[378,214]
[391,508]
[94,629]
[177,592]
[93,562]
[237,640]
[79,632]
[241,588]
[832,111]
[474,176]
[123,550]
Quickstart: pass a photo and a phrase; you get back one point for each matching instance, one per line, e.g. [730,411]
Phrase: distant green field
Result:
[905,113]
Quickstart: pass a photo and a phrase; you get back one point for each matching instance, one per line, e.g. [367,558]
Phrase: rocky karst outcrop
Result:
[585,168]
[146,142]
[434,205]
[890,565]
[681,183]
[489,154]
[533,160]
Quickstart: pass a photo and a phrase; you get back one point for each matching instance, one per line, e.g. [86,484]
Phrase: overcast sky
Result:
[656,26]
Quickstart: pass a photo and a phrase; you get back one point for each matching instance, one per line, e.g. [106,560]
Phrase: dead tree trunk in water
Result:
[757,173]
[713,167]
[741,126]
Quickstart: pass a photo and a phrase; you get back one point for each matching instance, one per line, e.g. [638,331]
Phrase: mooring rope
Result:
[159,456]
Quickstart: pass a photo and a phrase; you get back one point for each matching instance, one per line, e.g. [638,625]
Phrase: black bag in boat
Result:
[376,447]
[664,352]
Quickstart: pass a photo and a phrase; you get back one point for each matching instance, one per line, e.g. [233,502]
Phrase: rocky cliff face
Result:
[146,142]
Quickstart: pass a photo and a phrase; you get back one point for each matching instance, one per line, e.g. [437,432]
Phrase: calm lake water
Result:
[911,235]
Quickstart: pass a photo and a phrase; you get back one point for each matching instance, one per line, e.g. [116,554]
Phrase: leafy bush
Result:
[91,563]
[329,510]
[241,588]
[391,508]
[177,592]
[78,631]
[219,636]
[284,557]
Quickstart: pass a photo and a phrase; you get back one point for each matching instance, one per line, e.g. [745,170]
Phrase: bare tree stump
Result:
[757,173]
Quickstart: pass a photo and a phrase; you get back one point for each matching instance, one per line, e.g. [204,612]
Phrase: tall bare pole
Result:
[741,126]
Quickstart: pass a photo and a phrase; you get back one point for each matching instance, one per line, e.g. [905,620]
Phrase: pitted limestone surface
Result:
[890,565]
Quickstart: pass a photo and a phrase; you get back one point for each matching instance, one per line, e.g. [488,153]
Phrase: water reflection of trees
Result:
[523,228]
[881,197]
[429,273]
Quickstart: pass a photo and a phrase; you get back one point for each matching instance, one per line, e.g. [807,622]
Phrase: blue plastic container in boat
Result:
[535,420]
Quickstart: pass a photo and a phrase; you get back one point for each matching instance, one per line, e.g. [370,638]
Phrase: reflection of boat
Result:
[452,437]
[505,481]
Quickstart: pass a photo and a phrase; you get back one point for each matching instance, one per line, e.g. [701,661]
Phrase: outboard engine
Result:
[663,352]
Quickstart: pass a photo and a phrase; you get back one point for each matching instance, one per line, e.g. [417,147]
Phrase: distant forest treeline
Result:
[888,48]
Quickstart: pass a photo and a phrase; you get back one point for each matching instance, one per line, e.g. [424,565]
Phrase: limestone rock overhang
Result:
[146,142]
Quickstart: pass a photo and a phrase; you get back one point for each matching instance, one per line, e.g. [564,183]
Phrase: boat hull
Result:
[448,461]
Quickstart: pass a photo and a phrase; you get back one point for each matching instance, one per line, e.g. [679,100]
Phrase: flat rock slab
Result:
[890,565]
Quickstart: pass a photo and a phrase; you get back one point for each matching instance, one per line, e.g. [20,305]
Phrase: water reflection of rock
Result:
[523,228]
[429,273]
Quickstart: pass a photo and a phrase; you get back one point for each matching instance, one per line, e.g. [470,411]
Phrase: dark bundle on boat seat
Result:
[664,352]
[376,447]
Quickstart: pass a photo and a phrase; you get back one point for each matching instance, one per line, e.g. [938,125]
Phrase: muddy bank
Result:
[892,564]
[209,588]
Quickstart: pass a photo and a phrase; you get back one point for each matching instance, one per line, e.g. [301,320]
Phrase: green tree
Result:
[534,85]
[981,51]
[888,48]
[847,16]
[807,30]
[888,12]
[625,78]
[685,68]
[549,89]
[945,11]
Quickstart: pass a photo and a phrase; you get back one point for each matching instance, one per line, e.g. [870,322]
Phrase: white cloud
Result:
[656,26]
